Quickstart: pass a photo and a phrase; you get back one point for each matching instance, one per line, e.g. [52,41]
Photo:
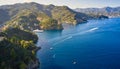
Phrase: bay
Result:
[92,45]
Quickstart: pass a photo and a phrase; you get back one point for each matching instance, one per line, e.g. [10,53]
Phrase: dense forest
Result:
[17,49]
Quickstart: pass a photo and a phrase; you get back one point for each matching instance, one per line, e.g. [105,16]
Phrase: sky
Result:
[70,3]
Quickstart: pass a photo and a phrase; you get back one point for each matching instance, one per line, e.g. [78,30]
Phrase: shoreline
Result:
[34,64]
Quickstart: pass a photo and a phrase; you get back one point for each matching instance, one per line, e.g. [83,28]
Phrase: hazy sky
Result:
[70,3]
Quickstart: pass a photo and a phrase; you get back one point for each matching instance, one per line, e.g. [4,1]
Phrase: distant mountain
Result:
[107,11]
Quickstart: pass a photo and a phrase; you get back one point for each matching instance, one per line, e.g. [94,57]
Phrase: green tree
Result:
[13,53]
[23,65]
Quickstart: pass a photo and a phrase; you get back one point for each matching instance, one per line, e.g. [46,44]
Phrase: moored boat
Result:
[38,31]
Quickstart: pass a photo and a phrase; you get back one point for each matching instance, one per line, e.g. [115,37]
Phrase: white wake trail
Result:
[93,29]
[69,36]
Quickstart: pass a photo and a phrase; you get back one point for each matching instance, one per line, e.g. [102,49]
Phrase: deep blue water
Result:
[92,45]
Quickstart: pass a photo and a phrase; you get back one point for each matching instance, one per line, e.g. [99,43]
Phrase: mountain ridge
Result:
[31,6]
[107,11]
[56,14]
[47,17]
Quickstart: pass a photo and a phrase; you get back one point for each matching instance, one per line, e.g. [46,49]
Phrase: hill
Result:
[27,14]
[17,49]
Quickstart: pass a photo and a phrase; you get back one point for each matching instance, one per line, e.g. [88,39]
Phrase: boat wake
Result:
[62,40]
[93,29]
[87,31]
[69,36]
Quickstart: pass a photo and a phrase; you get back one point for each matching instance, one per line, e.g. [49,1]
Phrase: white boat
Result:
[74,62]
[38,31]
[51,48]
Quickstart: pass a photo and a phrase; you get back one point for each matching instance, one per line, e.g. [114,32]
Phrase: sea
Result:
[91,45]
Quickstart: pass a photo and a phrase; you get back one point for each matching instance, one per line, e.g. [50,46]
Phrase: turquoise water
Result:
[92,45]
